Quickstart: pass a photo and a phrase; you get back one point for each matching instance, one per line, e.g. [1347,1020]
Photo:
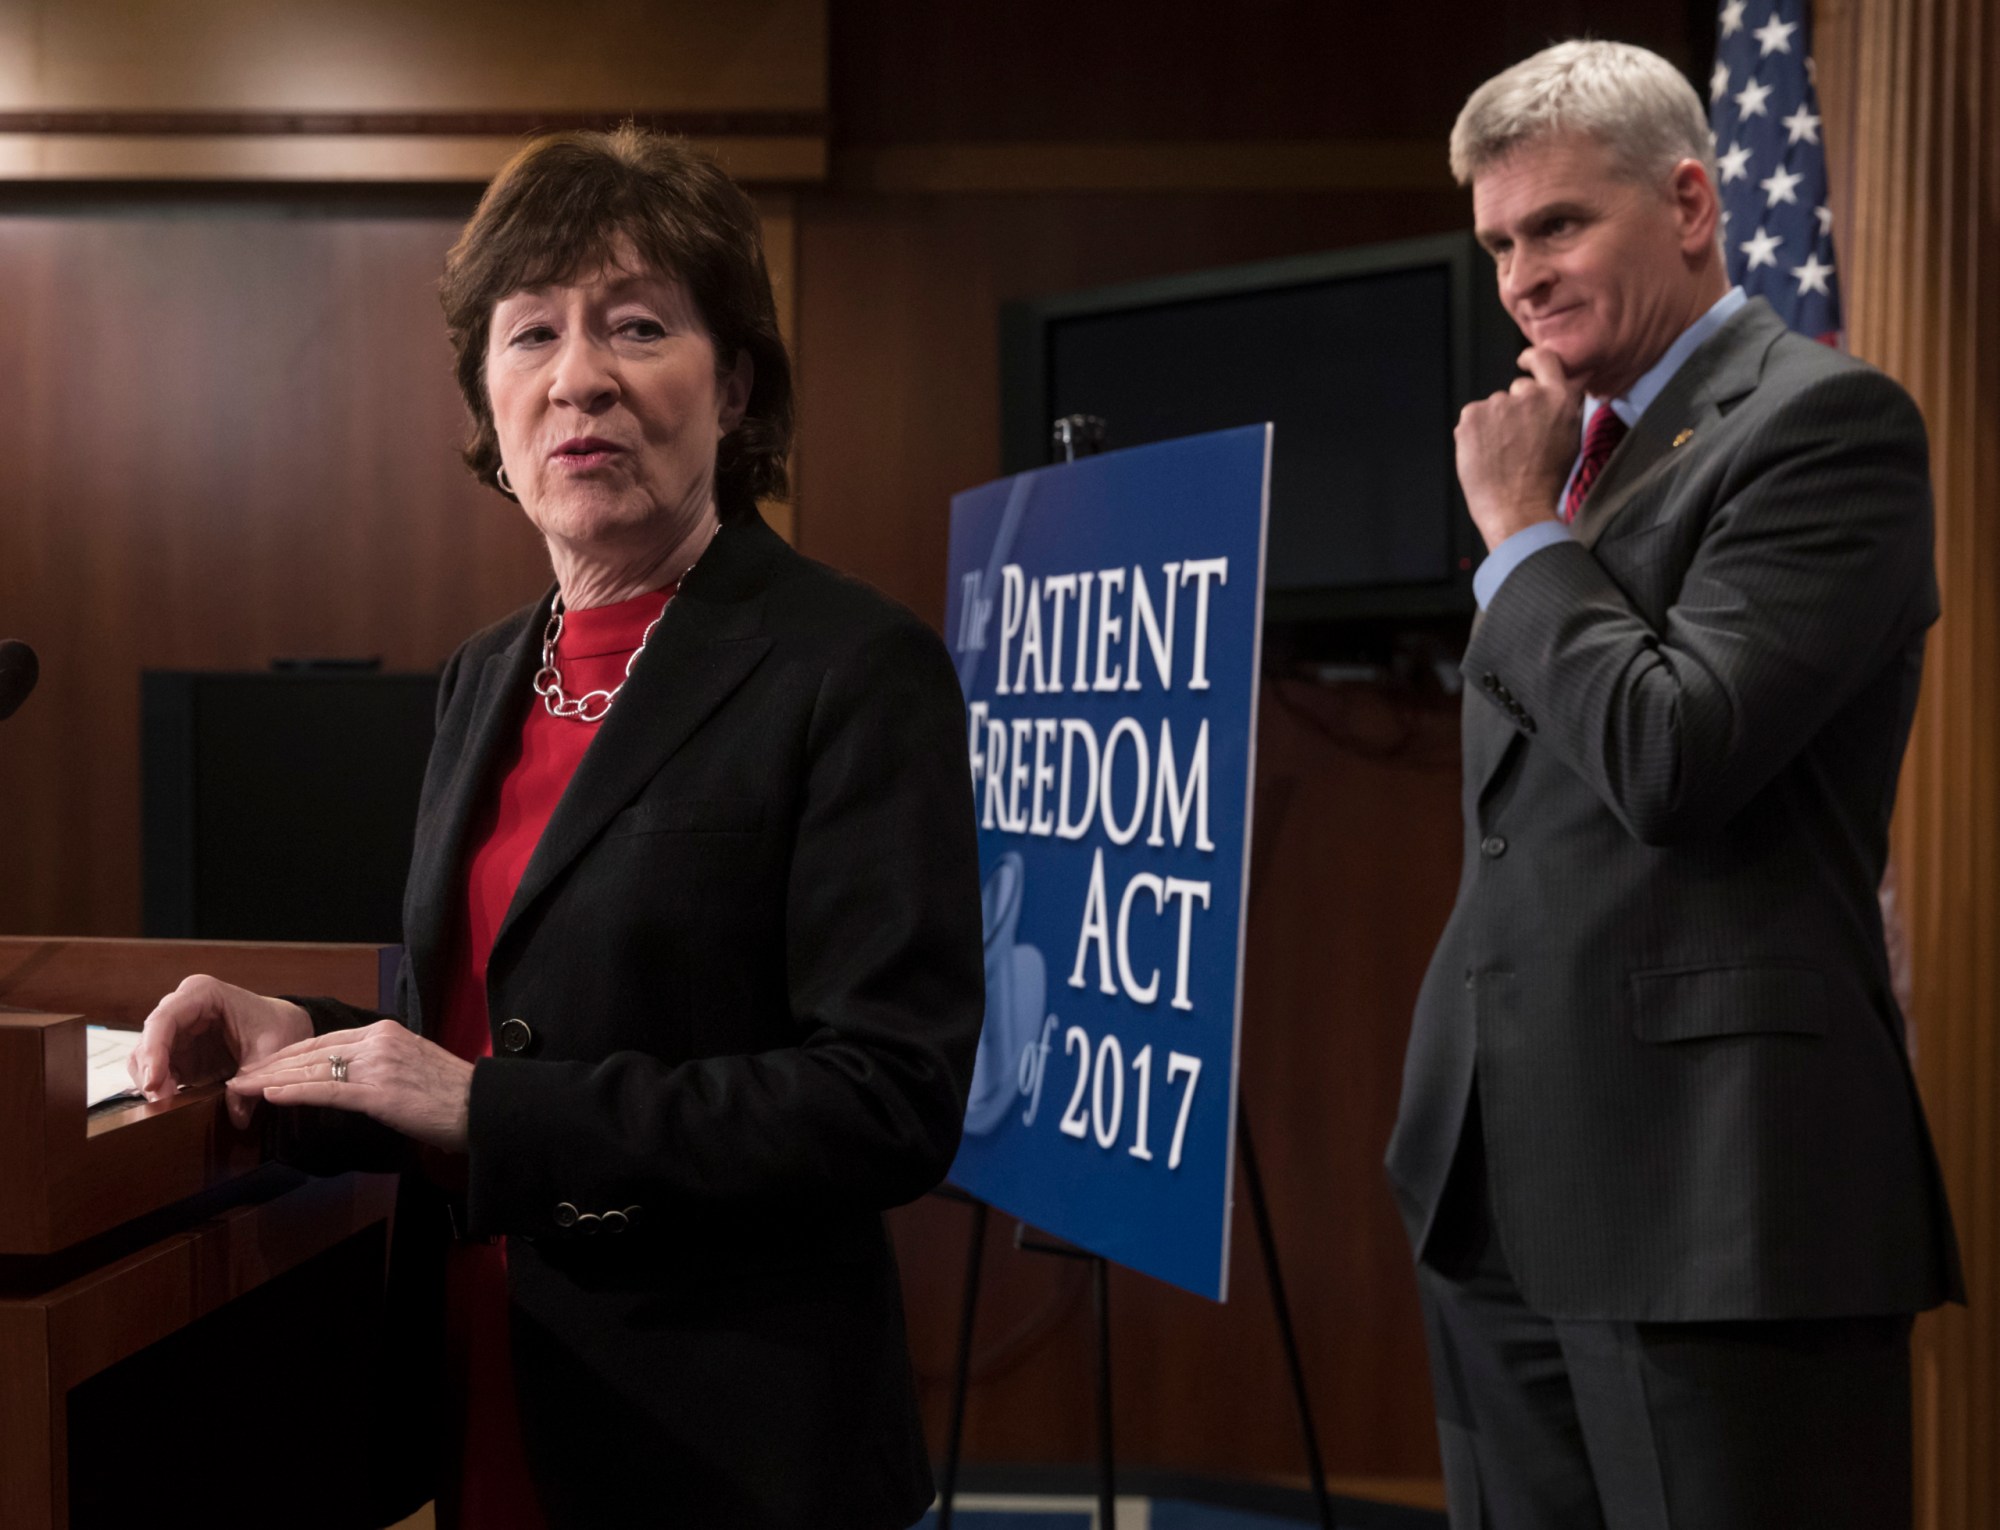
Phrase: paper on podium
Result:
[107,1078]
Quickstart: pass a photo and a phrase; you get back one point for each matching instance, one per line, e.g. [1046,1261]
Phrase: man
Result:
[1659,1150]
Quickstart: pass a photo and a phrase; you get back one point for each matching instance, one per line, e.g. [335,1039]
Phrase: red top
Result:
[486,1468]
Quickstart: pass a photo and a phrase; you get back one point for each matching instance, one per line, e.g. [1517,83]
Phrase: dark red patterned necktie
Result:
[1599,442]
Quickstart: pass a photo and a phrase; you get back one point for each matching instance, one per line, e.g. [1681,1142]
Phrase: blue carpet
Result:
[1161,1514]
[1169,1514]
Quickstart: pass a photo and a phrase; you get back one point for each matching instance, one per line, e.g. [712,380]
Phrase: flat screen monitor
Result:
[1360,358]
[281,806]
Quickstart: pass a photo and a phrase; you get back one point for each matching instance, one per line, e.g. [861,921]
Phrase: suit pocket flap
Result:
[1689,1003]
[690,815]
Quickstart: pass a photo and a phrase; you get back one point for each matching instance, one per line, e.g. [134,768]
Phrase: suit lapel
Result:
[705,646]
[1718,374]
[1720,371]
[503,684]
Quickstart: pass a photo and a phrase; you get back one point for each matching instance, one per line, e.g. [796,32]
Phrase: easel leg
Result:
[961,1374]
[1100,1274]
[1107,1486]
[1269,1244]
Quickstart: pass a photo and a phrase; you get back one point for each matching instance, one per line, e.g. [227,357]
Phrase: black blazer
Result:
[746,964]
[1665,968]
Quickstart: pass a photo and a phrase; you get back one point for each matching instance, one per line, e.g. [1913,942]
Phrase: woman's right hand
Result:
[204,1031]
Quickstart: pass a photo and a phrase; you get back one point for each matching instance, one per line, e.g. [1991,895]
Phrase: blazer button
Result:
[515,1037]
[565,1214]
[615,1221]
[1493,847]
[1490,681]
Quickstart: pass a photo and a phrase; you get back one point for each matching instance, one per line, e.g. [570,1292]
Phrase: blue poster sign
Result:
[1105,617]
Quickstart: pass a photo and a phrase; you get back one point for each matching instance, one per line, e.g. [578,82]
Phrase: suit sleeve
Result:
[1814,571]
[885,976]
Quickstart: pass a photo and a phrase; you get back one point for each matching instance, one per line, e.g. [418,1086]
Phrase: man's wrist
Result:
[1497,526]
[1511,552]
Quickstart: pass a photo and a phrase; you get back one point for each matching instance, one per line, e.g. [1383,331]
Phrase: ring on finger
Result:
[339,1066]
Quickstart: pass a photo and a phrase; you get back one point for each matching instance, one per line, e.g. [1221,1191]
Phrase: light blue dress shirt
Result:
[1515,550]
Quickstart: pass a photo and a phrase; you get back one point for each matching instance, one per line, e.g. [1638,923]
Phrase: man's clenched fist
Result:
[1515,448]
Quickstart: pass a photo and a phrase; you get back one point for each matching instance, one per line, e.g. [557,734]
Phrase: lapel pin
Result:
[1684,437]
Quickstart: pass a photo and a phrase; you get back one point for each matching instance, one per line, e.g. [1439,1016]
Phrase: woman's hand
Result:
[388,1071]
[205,1030]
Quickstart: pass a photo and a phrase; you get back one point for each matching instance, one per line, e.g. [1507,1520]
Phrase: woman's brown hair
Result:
[570,204]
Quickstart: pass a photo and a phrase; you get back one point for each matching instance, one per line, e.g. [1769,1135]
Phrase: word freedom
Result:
[1112,632]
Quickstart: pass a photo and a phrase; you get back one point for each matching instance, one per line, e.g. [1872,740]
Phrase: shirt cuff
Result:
[1512,552]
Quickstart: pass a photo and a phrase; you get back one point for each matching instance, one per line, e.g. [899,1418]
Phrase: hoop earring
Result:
[506,488]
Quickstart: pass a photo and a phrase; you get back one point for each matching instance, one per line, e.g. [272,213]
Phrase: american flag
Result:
[1769,147]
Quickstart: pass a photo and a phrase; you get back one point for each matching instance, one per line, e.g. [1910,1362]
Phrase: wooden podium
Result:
[123,1228]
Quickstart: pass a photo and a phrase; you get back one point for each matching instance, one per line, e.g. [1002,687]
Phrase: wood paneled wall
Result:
[1911,98]
[395,90]
[416,56]
[899,299]
[988,153]
[231,435]
[900,408]
[1177,71]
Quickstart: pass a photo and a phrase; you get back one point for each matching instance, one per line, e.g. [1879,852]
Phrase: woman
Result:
[694,963]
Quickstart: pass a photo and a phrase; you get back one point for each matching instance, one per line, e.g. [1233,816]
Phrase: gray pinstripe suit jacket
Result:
[1665,969]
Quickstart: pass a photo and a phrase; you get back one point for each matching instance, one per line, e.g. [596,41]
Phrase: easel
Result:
[1073,436]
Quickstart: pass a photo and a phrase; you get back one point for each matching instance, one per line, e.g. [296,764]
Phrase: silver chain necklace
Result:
[592,706]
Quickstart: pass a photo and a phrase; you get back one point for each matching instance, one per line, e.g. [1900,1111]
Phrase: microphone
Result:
[19,670]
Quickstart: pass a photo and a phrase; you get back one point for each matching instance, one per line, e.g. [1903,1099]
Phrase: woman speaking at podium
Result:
[694,969]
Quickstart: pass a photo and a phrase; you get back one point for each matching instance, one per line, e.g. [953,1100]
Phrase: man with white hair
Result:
[1660,1151]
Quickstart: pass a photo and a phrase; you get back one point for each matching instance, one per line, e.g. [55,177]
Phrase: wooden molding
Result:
[226,124]
[396,90]
[304,157]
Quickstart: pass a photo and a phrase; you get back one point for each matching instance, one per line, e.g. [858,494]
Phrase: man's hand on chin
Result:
[1515,448]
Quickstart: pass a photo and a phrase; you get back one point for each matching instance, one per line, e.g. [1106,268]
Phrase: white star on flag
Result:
[1762,250]
[1802,124]
[1770,161]
[1750,99]
[1775,36]
[1812,276]
[1780,186]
